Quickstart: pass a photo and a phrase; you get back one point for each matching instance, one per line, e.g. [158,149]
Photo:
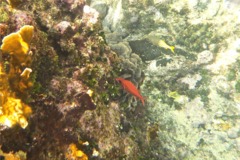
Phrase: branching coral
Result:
[15,82]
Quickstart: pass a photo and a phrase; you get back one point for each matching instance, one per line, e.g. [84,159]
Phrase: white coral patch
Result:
[191,80]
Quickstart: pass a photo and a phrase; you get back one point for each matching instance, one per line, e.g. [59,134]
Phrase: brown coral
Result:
[14,3]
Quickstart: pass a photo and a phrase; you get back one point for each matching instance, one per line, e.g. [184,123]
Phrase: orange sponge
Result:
[17,44]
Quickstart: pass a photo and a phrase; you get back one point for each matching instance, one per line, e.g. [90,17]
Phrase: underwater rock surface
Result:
[182,55]
[192,94]
[73,97]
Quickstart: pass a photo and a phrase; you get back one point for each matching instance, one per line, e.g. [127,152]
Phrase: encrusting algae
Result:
[15,82]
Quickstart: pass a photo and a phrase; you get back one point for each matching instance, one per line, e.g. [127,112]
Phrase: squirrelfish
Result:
[131,88]
[163,44]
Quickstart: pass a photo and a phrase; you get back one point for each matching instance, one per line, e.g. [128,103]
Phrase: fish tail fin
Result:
[172,49]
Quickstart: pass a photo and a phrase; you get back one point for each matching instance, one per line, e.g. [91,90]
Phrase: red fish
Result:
[130,87]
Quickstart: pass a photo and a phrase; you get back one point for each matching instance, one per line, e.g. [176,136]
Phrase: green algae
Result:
[4,15]
[237,86]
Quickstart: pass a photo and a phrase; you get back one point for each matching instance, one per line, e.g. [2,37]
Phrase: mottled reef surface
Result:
[75,107]
[59,98]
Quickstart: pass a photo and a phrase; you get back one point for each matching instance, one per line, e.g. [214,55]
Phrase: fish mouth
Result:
[117,79]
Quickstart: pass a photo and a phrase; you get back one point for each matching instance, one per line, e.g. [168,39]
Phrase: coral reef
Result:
[16,81]
[70,72]
[193,93]
[61,57]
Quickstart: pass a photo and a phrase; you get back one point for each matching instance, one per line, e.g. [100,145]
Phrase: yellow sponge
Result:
[17,44]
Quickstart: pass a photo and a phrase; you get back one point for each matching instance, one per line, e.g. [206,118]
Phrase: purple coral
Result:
[73,6]
[63,27]
[21,18]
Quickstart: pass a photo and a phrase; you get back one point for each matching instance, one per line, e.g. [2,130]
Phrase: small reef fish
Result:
[173,95]
[131,88]
[158,42]
[163,44]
